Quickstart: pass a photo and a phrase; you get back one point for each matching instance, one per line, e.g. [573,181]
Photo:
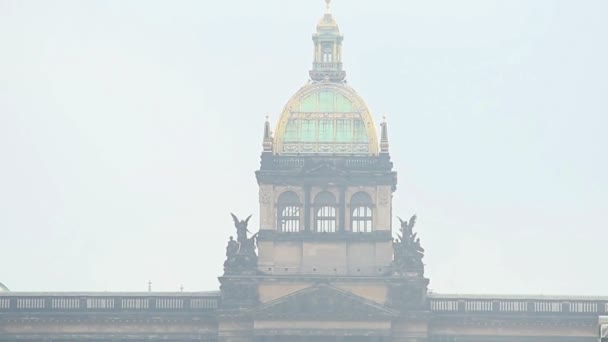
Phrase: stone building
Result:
[325,264]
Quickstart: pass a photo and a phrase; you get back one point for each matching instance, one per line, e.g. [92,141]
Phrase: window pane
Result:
[326,220]
[344,131]
[326,131]
[309,104]
[309,130]
[360,132]
[326,100]
[362,220]
[291,131]
[343,104]
[290,219]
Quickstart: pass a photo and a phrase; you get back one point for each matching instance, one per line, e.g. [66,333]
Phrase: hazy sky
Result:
[129,130]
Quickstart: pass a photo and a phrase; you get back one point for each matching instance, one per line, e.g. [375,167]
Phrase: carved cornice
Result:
[325,332]
[375,236]
[490,320]
[297,164]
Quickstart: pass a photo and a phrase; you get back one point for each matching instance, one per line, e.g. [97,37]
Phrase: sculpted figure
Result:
[407,228]
[232,248]
[408,252]
[241,254]
[241,228]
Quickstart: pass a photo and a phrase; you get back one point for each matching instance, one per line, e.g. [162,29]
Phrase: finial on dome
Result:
[328,6]
[267,142]
[383,135]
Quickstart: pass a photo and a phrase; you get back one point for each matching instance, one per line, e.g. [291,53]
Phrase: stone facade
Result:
[312,311]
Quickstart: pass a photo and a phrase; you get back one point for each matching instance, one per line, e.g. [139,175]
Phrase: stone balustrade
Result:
[112,302]
[514,305]
[14,302]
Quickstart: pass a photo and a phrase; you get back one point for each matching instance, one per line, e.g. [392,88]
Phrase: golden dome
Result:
[326,118]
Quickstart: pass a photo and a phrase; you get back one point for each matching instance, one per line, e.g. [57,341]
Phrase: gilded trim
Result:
[362,109]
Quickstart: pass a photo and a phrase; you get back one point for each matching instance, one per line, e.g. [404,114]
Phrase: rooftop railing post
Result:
[152,303]
[565,307]
[496,306]
[117,304]
[12,304]
[602,307]
[530,304]
[48,303]
[461,305]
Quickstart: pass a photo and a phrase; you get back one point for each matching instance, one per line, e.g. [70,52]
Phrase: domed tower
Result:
[326,182]
[325,251]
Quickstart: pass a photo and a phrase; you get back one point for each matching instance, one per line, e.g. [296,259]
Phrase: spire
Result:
[267,143]
[383,136]
[327,64]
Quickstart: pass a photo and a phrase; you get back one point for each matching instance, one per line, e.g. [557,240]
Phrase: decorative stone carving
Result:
[408,252]
[241,254]
[312,116]
[265,196]
[324,302]
[384,196]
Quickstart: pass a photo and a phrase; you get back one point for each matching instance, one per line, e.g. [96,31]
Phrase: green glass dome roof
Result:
[326,118]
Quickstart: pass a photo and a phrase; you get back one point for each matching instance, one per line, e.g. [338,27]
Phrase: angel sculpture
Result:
[241,229]
[407,228]
[241,253]
[408,252]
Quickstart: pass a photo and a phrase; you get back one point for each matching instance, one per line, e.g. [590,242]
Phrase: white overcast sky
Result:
[129,130]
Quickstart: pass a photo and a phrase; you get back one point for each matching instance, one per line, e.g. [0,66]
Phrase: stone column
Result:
[342,209]
[307,220]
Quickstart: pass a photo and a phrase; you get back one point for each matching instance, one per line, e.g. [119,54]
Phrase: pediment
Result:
[322,302]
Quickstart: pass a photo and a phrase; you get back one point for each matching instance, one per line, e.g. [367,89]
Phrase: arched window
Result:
[328,50]
[288,212]
[325,213]
[361,213]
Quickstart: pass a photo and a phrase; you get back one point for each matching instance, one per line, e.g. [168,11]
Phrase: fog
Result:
[129,130]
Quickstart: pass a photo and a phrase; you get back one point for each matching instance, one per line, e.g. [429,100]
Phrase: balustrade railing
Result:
[66,302]
[514,306]
[194,302]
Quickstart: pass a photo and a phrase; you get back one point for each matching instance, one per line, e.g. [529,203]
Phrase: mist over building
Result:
[326,264]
